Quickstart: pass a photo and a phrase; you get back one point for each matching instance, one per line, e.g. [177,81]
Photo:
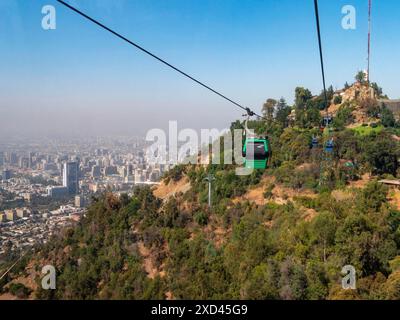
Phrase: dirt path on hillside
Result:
[7,296]
[165,191]
[280,194]
[359,184]
[148,265]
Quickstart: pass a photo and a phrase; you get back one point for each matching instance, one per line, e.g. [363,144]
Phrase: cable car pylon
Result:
[327,151]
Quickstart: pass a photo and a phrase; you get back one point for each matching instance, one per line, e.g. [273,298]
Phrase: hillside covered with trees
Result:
[282,233]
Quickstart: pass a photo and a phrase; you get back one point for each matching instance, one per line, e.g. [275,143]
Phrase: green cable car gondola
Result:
[256,152]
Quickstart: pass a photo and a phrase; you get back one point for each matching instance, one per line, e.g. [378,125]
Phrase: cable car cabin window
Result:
[259,151]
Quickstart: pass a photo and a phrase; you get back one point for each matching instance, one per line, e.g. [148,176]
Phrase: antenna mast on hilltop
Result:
[369,38]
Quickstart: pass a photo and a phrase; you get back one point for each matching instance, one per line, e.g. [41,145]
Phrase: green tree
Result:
[269,108]
[348,146]
[387,117]
[302,96]
[282,112]
[378,91]
[19,290]
[309,117]
[337,100]
[371,107]
[293,281]
[262,282]
[323,231]
[382,154]
[343,117]
[361,77]
[171,213]
[201,218]
[364,244]
[392,286]
[374,195]
[318,281]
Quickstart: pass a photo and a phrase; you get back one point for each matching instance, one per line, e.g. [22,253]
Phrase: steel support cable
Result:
[13,265]
[248,110]
[321,55]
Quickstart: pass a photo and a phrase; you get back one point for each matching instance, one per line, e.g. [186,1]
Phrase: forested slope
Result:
[282,233]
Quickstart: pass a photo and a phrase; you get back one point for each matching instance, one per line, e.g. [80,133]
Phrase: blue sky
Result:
[79,78]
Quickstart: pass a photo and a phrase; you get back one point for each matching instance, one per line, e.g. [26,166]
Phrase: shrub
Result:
[268,191]
[201,218]
[337,100]
[19,290]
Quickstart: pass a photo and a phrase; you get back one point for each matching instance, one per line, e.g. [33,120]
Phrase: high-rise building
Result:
[11,215]
[13,158]
[79,201]
[31,159]
[96,171]
[23,162]
[110,170]
[57,192]
[123,171]
[1,158]
[22,212]
[6,174]
[71,177]
[3,217]
[129,168]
